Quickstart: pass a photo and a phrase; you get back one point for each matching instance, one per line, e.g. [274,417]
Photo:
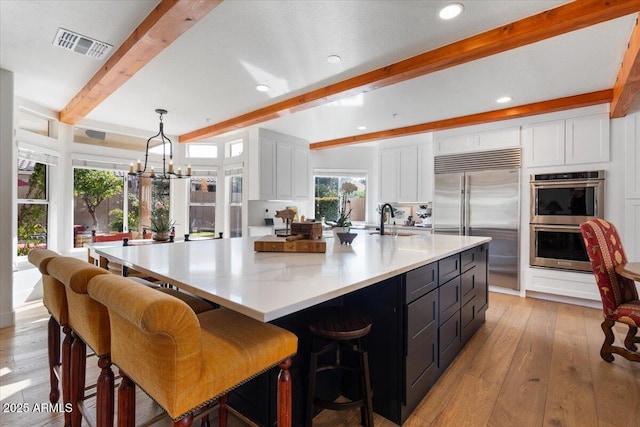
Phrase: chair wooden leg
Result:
[104,393]
[53,342]
[78,374]
[223,413]
[631,338]
[66,372]
[126,402]
[313,366]
[284,394]
[184,422]
[607,347]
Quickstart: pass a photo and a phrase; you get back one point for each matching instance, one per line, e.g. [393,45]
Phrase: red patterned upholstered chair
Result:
[619,295]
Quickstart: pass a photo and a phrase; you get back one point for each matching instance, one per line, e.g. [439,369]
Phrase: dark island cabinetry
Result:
[421,321]
[438,308]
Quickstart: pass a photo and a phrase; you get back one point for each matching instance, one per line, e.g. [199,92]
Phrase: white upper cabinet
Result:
[544,144]
[453,144]
[406,174]
[587,139]
[572,141]
[283,167]
[477,141]
[425,172]
[496,139]
[388,167]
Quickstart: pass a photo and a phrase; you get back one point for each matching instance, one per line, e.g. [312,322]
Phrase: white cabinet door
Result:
[496,139]
[408,174]
[301,173]
[587,139]
[544,144]
[425,172]
[284,171]
[267,169]
[453,144]
[388,185]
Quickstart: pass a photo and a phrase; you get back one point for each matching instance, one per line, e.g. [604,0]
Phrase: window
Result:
[208,151]
[33,123]
[234,181]
[235,148]
[33,205]
[99,204]
[202,206]
[327,188]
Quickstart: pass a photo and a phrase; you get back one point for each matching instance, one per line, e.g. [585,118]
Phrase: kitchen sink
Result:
[390,234]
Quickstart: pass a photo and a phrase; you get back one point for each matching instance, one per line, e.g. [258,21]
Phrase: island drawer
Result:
[448,268]
[449,296]
[422,317]
[420,281]
[449,340]
[468,259]
[468,285]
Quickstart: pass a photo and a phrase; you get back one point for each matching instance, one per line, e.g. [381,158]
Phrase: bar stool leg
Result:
[66,372]
[222,410]
[313,366]
[53,341]
[367,408]
[104,393]
[78,376]
[126,402]
[284,394]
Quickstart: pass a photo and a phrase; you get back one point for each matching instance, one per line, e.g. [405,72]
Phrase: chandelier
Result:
[168,171]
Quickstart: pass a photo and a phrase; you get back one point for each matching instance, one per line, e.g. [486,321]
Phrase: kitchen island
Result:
[427,295]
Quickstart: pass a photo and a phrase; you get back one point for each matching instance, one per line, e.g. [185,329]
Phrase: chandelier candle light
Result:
[167,172]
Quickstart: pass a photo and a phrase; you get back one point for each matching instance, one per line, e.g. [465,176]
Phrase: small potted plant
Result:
[161,223]
[342,225]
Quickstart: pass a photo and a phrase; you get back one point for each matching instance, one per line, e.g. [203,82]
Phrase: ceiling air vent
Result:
[86,46]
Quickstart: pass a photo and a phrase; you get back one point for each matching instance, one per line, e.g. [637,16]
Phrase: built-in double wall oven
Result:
[560,202]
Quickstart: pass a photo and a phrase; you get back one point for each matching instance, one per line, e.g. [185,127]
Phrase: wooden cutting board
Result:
[279,244]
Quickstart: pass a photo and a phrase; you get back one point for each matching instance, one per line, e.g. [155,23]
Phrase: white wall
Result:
[7,197]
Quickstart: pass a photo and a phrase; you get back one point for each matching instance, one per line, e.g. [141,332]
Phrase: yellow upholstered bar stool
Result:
[185,361]
[55,300]
[89,322]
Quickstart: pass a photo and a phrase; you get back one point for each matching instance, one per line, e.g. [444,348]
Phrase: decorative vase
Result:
[161,236]
[337,230]
[346,238]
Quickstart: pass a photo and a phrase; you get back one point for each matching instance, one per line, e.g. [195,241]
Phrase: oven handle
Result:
[548,227]
[564,184]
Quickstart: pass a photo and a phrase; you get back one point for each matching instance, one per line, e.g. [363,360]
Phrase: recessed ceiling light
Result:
[451,11]
[333,59]
[262,88]
[362,128]
[503,99]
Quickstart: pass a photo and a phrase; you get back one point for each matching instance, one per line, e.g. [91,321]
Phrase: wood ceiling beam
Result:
[563,19]
[553,105]
[627,84]
[168,21]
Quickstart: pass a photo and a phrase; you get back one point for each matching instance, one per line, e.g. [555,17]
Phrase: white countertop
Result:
[269,285]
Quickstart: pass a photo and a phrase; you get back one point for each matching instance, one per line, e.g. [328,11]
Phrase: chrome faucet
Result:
[382,216]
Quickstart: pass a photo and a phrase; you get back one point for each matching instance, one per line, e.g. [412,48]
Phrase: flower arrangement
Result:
[344,205]
[160,221]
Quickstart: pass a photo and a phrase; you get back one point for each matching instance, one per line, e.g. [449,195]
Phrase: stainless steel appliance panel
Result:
[482,202]
[449,215]
[558,246]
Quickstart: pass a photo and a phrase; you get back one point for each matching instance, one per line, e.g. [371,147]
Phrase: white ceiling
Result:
[210,73]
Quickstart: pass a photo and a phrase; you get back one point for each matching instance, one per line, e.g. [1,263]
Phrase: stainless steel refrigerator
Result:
[478,194]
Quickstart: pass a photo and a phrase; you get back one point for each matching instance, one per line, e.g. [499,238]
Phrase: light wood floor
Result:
[533,363]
